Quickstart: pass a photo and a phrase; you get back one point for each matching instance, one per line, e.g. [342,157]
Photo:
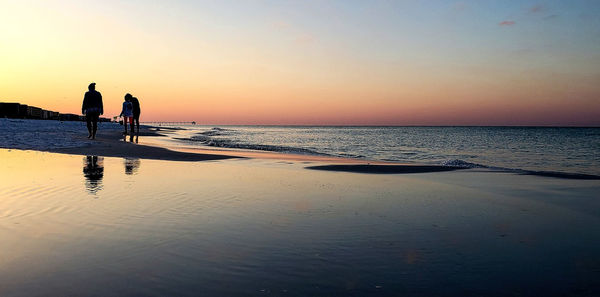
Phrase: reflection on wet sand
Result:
[131,137]
[93,171]
[131,165]
[261,227]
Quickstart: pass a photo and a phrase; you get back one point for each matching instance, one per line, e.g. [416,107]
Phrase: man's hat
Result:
[92,85]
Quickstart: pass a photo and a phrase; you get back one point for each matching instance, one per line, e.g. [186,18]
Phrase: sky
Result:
[310,62]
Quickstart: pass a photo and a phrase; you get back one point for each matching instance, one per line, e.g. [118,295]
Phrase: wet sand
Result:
[114,144]
[384,169]
[119,218]
[75,225]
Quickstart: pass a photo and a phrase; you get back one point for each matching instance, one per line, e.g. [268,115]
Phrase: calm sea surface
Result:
[572,150]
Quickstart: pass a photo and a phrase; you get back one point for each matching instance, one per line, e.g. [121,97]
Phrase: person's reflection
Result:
[93,171]
[131,165]
[131,138]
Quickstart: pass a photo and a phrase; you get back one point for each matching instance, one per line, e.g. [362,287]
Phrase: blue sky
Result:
[314,62]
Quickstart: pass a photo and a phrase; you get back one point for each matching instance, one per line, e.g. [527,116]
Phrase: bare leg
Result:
[94,128]
[89,125]
[131,135]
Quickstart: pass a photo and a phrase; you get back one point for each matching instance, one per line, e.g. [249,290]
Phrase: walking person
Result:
[135,103]
[92,108]
[127,113]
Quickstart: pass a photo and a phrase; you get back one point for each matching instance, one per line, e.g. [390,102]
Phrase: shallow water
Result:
[73,225]
[571,150]
[554,150]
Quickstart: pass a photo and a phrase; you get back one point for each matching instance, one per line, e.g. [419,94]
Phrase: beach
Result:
[116,218]
[115,144]
[300,148]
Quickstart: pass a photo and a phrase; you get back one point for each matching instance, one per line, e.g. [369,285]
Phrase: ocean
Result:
[547,149]
[95,225]
[569,150]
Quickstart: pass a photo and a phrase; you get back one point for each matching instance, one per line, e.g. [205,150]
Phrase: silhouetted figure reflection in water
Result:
[131,165]
[92,108]
[93,171]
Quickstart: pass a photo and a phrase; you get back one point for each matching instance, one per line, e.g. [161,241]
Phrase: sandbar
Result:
[112,144]
[385,169]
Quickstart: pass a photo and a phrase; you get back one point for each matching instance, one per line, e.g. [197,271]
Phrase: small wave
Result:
[216,131]
[220,129]
[556,174]
[559,174]
[461,163]
[409,153]
[349,155]
[208,141]
[210,133]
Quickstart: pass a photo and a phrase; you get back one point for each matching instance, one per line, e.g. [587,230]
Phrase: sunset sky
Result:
[310,62]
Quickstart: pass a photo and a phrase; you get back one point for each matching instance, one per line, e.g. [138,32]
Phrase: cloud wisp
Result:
[506,23]
[536,8]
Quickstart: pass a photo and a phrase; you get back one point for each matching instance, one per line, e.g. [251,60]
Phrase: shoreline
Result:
[112,143]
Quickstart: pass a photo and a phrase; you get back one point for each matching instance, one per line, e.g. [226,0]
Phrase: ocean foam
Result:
[461,163]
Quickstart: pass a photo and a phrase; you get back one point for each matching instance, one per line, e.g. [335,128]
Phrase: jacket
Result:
[136,107]
[92,103]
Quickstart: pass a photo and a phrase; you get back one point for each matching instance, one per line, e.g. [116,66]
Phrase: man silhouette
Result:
[92,108]
[135,103]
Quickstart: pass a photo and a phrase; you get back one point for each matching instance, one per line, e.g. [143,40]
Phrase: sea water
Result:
[570,150]
[549,149]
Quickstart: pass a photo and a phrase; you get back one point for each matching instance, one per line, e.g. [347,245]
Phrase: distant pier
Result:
[168,123]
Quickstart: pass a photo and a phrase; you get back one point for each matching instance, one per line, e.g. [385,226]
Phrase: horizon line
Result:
[375,125]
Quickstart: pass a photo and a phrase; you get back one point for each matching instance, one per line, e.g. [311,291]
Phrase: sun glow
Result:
[333,63]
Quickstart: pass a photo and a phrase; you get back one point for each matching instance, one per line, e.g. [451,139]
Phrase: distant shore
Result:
[13,110]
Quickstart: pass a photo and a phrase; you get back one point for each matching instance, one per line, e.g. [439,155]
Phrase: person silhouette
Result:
[92,108]
[93,171]
[127,114]
[135,103]
[131,165]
